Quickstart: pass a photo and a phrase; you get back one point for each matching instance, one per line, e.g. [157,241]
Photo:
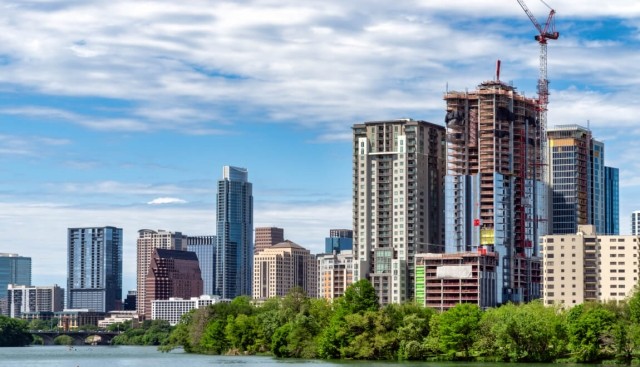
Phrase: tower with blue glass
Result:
[234,249]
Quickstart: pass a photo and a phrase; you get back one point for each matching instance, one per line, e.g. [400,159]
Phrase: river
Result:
[130,356]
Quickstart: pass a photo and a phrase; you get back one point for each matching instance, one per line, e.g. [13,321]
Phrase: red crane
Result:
[548,32]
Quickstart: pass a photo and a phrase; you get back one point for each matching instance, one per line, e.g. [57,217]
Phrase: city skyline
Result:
[130,131]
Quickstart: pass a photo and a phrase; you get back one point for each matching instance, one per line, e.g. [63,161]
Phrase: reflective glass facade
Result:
[94,268]
[234,252]
[612,201]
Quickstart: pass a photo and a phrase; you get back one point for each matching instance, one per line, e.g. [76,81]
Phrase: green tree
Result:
[241,332]
[14,332]
[587,324]
[359,297]
[458,328]
[63,340]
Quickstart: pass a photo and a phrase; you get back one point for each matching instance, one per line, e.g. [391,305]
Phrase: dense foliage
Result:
[154,332]
[14,332]
[355,327]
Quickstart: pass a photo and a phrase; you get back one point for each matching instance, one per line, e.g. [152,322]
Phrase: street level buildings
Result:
[171,273]
[281,267]
[335,273]
[496,199]
[205,249]
[444,280]
[398,177]
[14,269]
[586,266]
[173,308]
[24,298]
[234,250]
[94,268]
[267,237]
[149,240]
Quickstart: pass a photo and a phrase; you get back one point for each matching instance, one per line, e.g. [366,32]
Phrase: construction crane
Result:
[548,32]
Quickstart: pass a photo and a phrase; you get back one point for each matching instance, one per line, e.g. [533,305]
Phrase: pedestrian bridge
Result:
[79,337]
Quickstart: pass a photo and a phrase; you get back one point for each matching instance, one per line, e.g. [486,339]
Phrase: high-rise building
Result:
[398,176]
[496,199]
[23,298]
[611,201]
[279,268]
[171,273]
[148,241]
[635,223]
[335,273]
[14,269]
[267,237]
[94,279]
[586,266]
[338,240]
[584,191]
[234,250]
[130,301]
[205,249]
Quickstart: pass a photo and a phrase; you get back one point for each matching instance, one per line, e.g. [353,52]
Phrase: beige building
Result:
[267,237]
[281,267]
[588,267]
[149,240]
[335,274]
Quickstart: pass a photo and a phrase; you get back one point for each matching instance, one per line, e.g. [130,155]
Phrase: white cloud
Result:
[160,201]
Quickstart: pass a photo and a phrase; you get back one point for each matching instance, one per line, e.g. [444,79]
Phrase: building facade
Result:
[611,201]
[635,223]
[149,240]
[281,267]
[584,190]
[205,249]
[586,266]
[398,176]
[14,269]
[444,280]
[339,240]
[335,273]
[267,237]
[173,308]
[171,273]
[495,195]
[234,251]
[23,298]
[94,268]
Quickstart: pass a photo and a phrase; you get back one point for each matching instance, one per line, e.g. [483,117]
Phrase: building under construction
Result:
[495,198]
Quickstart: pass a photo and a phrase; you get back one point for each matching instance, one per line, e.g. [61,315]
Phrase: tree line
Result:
[356,327]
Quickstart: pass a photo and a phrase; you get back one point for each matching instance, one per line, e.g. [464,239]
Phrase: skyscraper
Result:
[94,268]
[495,194]
[205,249]
[398,174]
[171,274]
[611,201]
[267,237]
[148,241]
[234,250]
[579,181]
[14,269]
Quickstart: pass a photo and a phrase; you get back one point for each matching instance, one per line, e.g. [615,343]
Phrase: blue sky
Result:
[123,113]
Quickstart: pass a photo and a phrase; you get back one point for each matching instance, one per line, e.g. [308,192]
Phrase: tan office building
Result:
[281,267]
[335,274]
[149,240]
[588,267]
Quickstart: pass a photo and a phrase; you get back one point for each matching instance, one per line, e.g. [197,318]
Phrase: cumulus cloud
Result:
[161,201]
